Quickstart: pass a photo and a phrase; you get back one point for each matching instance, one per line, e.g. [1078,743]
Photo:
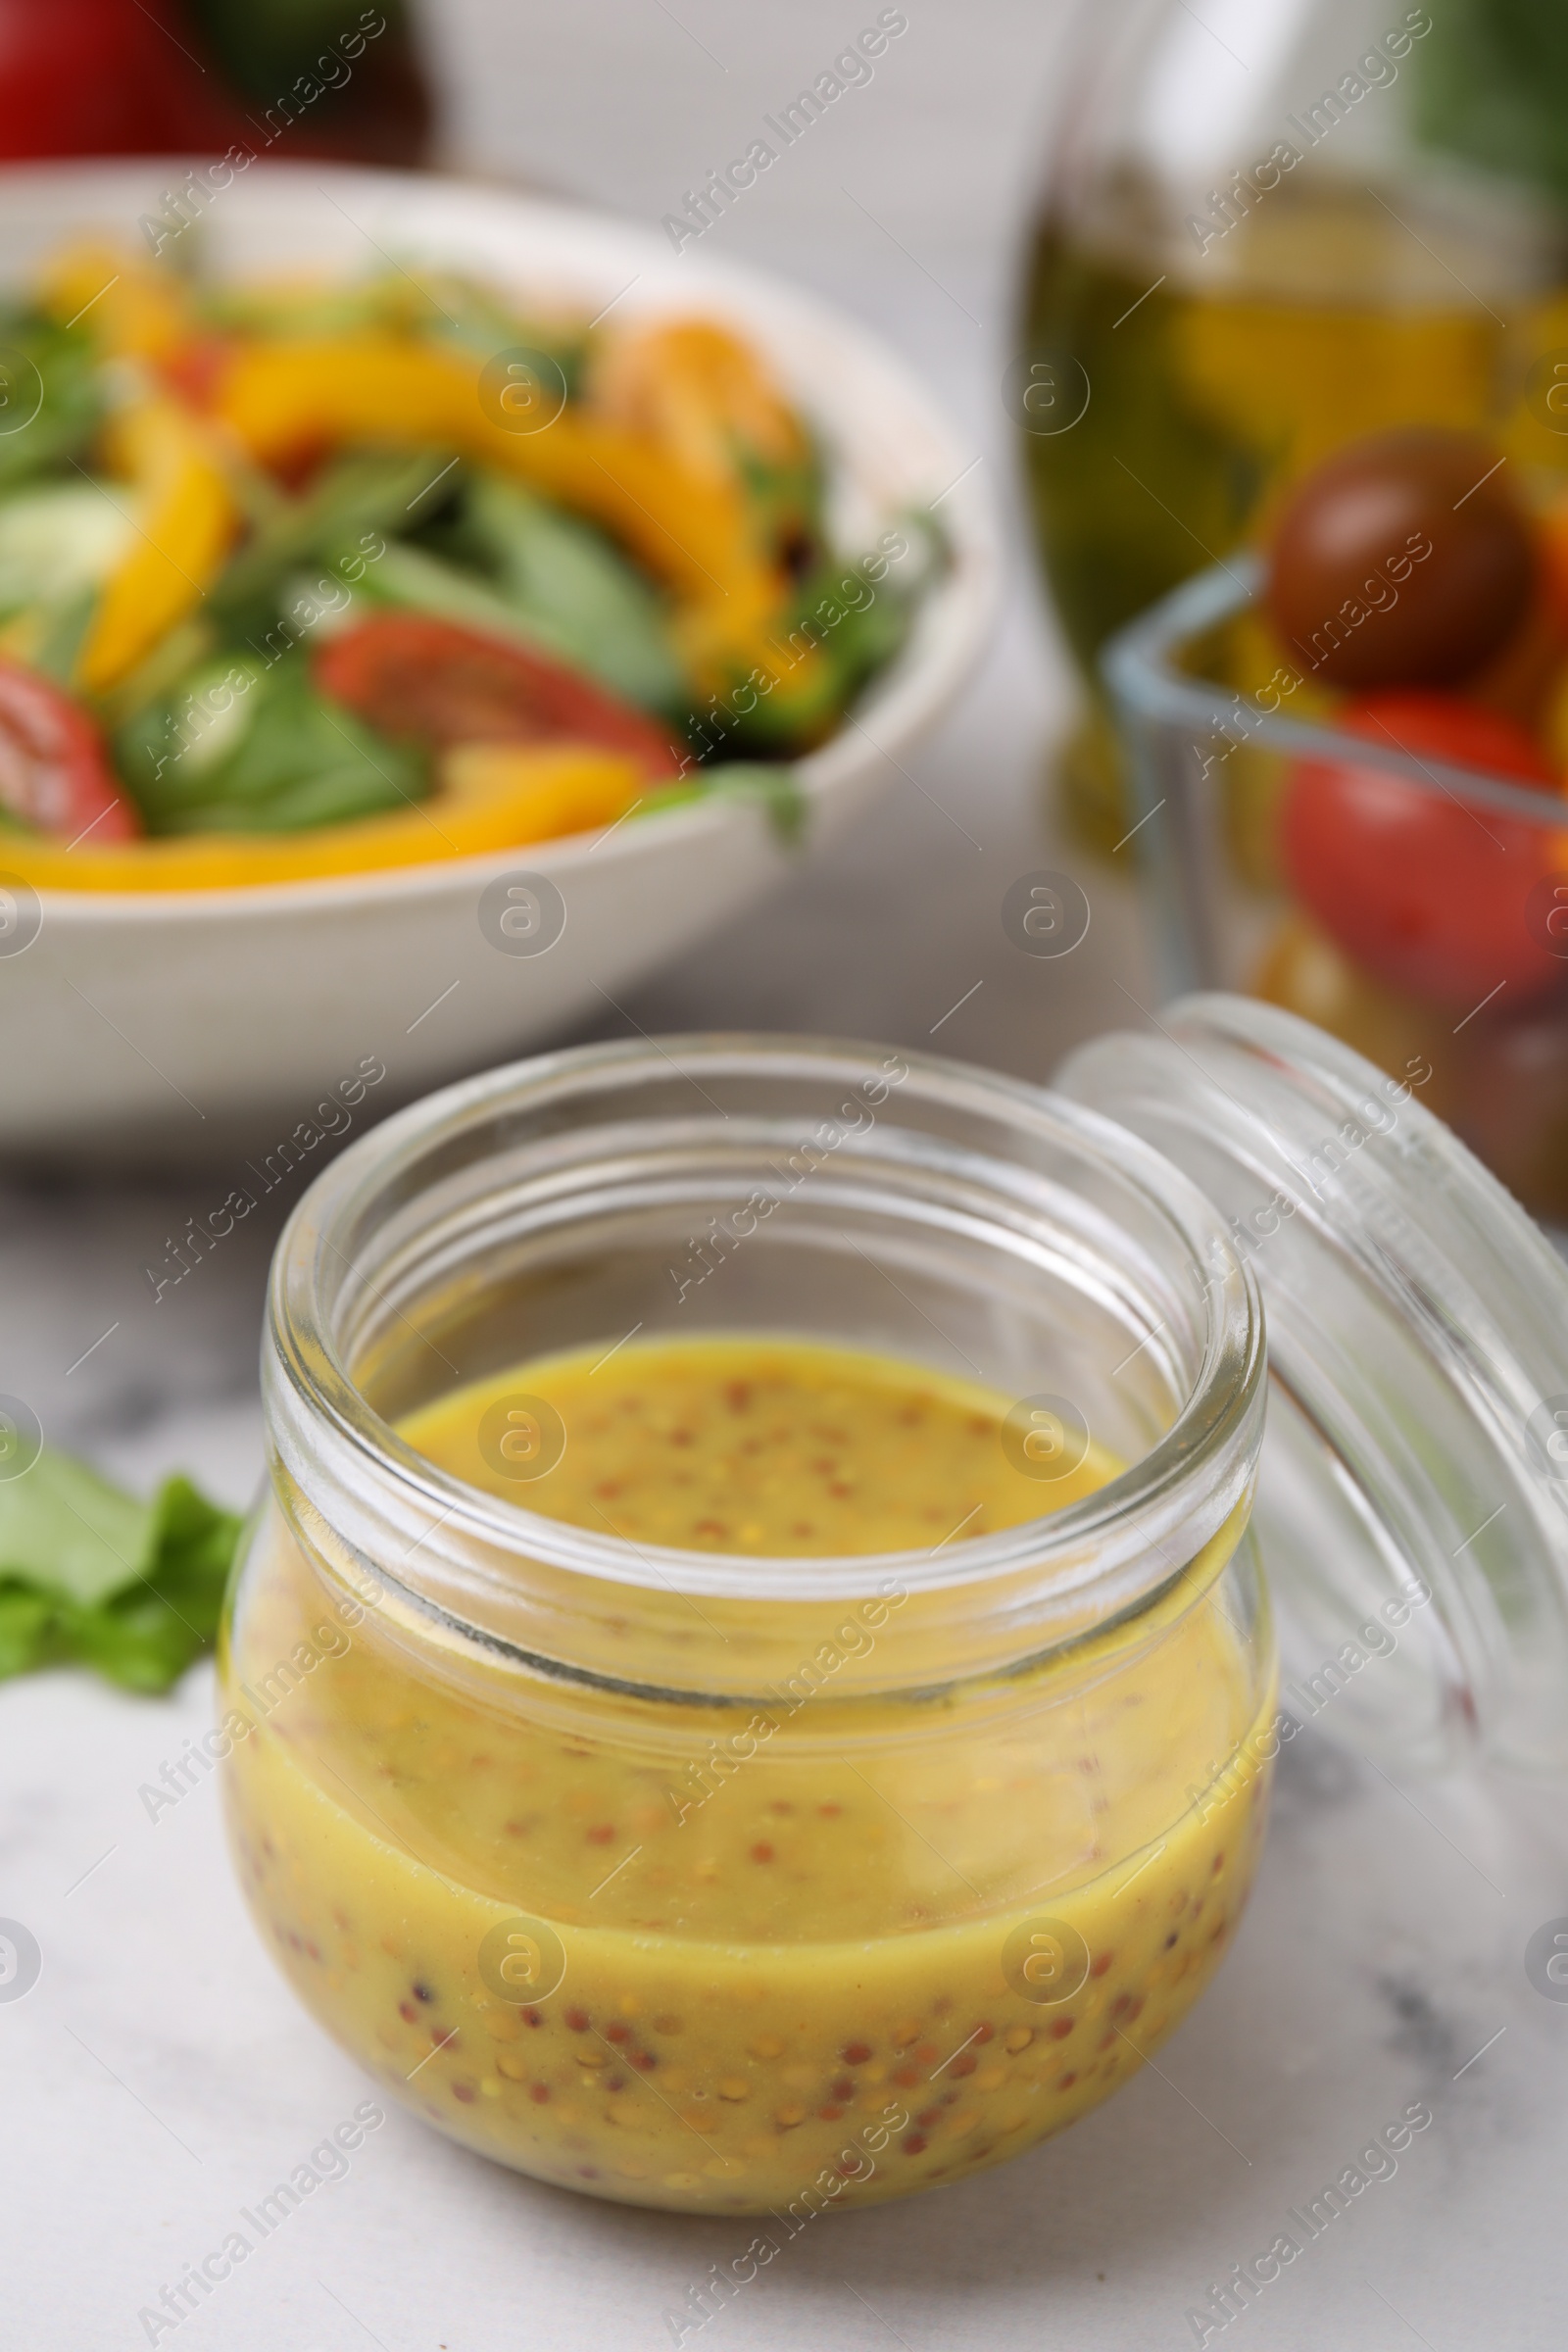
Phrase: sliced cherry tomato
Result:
[197,369]
[439,684]
[1428,892]
[54,771]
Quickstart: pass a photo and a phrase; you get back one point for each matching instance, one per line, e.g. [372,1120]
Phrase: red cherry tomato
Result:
[197,369]
[1428,892]
[54,772]
[106,78]
[432,682]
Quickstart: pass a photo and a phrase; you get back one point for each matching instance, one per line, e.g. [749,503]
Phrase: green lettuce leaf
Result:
[88,1574]
[241,747]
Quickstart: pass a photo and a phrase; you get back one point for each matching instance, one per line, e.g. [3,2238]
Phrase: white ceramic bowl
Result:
[176,1022]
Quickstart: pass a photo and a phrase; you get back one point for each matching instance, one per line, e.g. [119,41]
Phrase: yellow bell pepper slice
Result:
[692,531]
[493,797]
[548,795]
[705,399]
[188,520]
[698,391]
[128,308]
[281,397]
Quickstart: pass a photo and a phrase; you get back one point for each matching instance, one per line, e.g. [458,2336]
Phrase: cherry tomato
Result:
[1427,892]
[197,369]
[106,78]
[1555,562]
[1513,1106]
[54,771]
[432,682]
[1402,561]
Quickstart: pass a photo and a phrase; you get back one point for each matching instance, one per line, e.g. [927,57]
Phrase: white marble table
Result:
[160,2077]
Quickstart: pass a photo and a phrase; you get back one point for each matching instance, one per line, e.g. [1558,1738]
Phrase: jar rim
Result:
[1210,1445]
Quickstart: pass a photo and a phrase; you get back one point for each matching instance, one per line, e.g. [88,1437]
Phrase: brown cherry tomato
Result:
[1403,560]
[1555,562]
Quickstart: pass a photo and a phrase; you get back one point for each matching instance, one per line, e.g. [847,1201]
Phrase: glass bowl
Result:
[1475,1015]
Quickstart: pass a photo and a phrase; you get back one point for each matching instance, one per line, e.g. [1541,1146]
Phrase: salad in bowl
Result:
[305,578]
[388,562]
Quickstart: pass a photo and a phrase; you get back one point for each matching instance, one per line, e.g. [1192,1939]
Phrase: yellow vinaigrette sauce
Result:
[814,1949]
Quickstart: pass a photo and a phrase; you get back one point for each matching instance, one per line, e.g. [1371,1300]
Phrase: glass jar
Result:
[1271,227]
[739,1885]
[724,1884]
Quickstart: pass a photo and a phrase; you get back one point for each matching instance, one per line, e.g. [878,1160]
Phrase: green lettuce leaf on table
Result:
[89,1576]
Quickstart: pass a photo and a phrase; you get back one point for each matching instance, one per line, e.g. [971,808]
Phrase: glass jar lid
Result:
[1413,1500]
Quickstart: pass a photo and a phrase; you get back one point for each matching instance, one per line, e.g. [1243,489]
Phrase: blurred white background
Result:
[628,103]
